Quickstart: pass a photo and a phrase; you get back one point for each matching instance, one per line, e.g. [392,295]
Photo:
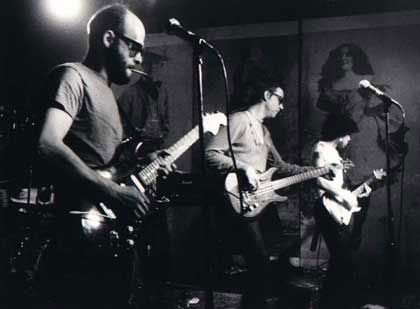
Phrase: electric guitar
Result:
[143,178]
[254,202]
[335,207]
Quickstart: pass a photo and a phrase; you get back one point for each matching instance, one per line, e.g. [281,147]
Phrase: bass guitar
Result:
[254,202]
[337,210]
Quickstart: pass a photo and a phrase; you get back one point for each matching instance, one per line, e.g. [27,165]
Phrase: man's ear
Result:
[108,38]
[267,95]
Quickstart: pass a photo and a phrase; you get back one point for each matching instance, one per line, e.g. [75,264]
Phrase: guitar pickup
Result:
[137,183]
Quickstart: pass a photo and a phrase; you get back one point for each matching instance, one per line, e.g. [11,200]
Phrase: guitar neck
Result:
[149,173]
[291,180]
[360,188]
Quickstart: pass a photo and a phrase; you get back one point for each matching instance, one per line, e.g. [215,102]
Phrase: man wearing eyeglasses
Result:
[254,150]
[81,132]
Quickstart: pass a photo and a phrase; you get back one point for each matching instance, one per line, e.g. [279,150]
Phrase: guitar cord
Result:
[227,101]
[404,151]
[239,197]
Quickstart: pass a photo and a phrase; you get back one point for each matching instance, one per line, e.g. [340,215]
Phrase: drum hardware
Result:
[40,196]
[30,236]
[101,230]
[26,262]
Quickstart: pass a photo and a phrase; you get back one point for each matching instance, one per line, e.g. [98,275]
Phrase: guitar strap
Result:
[256,132]
[262,139]
[315,237]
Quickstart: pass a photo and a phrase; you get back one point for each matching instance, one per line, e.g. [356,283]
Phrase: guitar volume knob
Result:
[130,243]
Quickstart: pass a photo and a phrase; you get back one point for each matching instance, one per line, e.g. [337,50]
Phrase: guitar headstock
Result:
[213,121]
[379,174]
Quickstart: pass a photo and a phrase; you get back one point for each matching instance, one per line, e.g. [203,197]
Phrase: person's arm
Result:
[331,187]
[51,146]
[282,166]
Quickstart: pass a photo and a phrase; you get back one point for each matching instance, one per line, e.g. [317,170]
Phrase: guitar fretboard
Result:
[149,173]
[291,180]
[361,188]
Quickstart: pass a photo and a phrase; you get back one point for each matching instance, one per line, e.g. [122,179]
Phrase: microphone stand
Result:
[392,258]
[392,262]
[198,48]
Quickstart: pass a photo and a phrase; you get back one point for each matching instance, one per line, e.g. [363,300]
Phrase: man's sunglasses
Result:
[133,46]
[281,99]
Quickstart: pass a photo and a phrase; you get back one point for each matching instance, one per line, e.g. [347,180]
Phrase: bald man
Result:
[82,127]
[82,130]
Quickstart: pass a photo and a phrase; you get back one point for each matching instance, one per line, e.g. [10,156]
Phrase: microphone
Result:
[365,84]
[173,26]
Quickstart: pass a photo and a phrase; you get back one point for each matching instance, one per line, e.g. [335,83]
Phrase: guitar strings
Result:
[269,187]
[263,189]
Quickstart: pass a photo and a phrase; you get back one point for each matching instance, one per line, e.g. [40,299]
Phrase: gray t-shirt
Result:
[82,93]
[252,145]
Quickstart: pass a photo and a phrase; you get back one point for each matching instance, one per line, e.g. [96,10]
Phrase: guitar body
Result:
[338,211]
[341,214]
[120,171]
[101,228]
[253,202]
[115,230]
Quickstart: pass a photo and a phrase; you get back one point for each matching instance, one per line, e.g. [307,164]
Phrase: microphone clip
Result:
[174,27]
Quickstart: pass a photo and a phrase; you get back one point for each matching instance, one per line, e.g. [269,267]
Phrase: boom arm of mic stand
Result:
[389,101]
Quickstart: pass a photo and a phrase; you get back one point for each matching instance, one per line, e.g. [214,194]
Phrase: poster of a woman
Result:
[339,91]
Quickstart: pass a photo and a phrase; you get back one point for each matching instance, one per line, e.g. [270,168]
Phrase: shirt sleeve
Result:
[217,154]
[65,90]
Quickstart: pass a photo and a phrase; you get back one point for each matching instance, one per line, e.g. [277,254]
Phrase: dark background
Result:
[33,43]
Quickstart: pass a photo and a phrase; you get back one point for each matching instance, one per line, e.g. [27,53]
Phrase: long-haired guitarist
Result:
[333,213]
[252,147]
